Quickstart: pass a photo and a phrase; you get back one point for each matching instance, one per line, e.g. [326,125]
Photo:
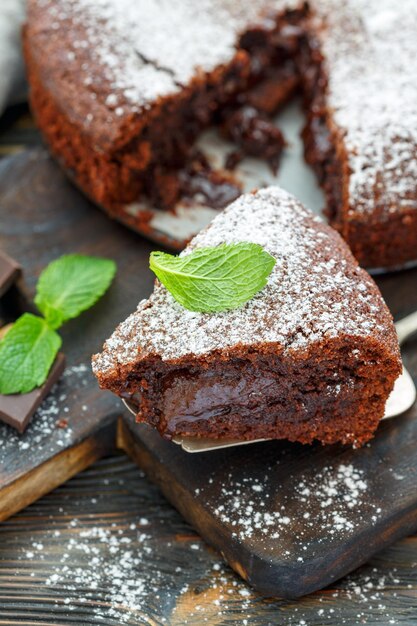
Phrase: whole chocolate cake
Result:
[314,355]
[122,88]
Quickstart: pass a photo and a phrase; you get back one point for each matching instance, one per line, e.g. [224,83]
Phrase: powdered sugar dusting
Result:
[111,565]
[316,291]
[99,54]
[146,49]
[371,48]
[335,500]
[115,558]
[48,430]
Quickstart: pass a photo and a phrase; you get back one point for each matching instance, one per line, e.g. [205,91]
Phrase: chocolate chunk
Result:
[199,181]
[18,409]
[275,89]
[255,135]
[233,159]
[9,272]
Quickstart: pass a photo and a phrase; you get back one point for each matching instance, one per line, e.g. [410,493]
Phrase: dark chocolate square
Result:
[18,409]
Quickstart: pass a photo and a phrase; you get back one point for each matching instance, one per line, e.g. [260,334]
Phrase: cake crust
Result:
[314,355]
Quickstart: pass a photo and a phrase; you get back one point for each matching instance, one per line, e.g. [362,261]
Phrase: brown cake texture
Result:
[122,88]
[313,356]
[360,91]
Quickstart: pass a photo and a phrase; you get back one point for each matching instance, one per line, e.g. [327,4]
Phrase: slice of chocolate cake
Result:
[314,355]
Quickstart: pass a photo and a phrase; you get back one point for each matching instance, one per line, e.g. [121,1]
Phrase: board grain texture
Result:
[177,580]
[34,233]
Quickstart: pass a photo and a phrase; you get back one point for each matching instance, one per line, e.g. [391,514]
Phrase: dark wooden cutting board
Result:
[41,217]
[288,518]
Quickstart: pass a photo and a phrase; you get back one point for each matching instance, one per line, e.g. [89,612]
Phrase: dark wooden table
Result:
[106,548]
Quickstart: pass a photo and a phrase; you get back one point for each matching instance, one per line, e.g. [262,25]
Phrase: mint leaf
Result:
[214,279]
[68,286]
[72,284]
[26,354]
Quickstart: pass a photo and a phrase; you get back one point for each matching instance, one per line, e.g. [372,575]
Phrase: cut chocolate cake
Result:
[122,88]
[314,355]
[360,83]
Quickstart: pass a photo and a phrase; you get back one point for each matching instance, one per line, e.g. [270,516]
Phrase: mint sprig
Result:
[26,354]
[70,285]
[210,280]
[66,288]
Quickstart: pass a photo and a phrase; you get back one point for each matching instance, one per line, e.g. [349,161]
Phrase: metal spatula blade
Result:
[399,401]
[402,397]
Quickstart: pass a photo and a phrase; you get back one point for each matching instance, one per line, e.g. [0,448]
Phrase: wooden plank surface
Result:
[113,514]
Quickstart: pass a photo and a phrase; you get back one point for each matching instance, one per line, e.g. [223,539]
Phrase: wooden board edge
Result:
[56,471]
[285,583]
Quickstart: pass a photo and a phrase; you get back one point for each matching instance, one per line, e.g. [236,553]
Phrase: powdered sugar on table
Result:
[252,509]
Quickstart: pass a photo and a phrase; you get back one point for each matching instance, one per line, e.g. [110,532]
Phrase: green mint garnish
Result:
[66,288]
[70,285]
[26,354]
[210,280]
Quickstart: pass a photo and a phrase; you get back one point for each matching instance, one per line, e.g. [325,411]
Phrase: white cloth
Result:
[12,77]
